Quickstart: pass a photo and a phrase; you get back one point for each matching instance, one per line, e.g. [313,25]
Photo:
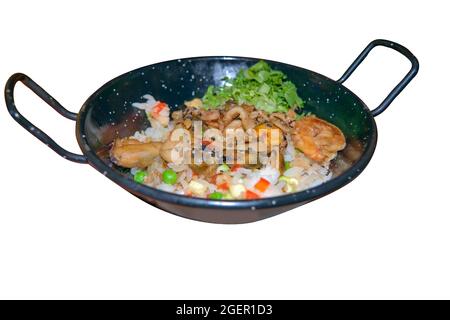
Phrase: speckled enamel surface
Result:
[179,80]
[108,114]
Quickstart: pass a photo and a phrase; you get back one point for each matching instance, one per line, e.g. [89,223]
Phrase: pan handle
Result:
[401,85]
[35,131]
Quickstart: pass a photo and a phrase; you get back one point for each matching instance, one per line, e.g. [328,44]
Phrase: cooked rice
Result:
[302,175]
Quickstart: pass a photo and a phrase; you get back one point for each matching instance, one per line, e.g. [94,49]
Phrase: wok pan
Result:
[108,114]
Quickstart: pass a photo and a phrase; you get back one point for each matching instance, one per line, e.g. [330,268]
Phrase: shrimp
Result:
[318,139]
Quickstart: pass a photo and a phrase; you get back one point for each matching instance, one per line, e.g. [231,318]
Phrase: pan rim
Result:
[283,200]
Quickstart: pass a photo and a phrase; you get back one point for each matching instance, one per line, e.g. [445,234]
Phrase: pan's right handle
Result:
[401,85]
[31,128]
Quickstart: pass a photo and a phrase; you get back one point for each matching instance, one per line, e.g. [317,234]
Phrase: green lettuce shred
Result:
[260,86]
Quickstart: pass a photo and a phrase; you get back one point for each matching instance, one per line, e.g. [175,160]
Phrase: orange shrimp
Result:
[318,139]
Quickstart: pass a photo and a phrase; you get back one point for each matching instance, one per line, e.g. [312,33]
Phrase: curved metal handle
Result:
[35,131]
[401,85]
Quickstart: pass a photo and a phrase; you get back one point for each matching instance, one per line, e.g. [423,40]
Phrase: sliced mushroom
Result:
[243,115]
[210,115]
[187,123]
[177,115]
[194,103]
[279,120]
[234,124]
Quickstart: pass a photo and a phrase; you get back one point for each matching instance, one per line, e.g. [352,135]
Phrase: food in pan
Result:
[246,139]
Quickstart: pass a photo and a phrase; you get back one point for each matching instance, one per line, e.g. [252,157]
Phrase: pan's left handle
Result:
[31,128]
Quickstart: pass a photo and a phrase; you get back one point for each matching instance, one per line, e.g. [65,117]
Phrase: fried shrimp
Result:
[318,139]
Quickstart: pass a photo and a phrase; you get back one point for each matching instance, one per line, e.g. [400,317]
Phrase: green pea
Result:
[169,176]
[140,176]
[216,195]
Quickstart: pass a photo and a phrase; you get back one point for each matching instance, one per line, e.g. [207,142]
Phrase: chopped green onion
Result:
[287,165]
[291,183]
[259,85]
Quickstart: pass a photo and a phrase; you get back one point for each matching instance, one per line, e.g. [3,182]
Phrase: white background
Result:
[68,232]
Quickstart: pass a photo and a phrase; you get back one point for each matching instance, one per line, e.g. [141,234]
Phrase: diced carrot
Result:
[206,142]
[213,178]
[262,185]
[235,167]
[223,186]
[158,108]
[250,195]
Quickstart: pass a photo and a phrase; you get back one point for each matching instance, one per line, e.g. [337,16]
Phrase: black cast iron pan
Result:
[108,113]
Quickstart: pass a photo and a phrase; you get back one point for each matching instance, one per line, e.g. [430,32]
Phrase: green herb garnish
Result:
[260,86]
